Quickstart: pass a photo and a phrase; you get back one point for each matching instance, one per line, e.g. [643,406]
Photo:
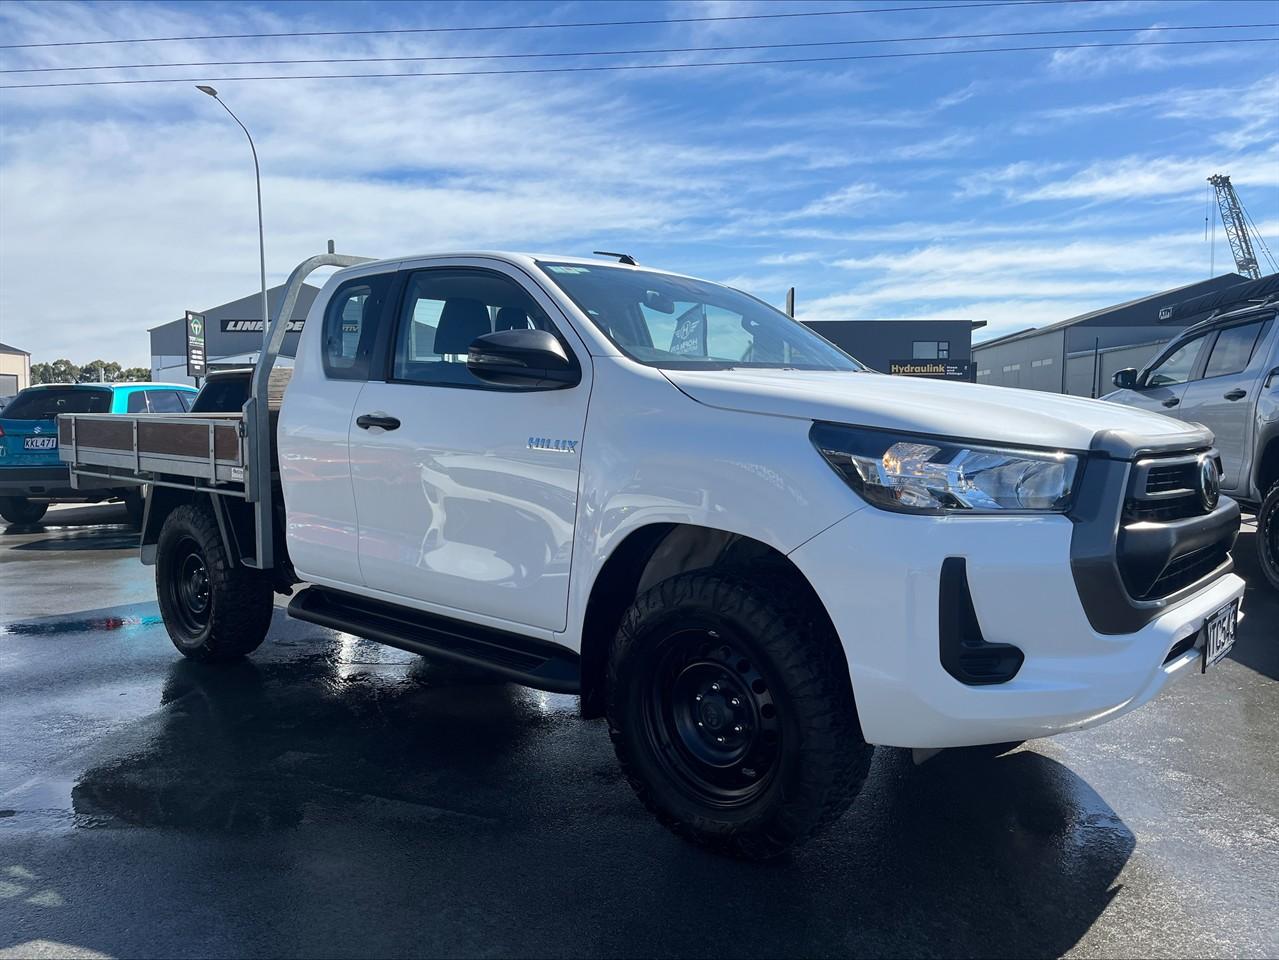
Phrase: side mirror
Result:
[1271,377]
[1126,379]
[522,358]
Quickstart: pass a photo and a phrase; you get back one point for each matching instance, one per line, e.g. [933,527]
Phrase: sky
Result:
[1018,188]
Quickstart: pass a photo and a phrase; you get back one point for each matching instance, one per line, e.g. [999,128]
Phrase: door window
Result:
[164,401]
[350,326]
[442,314]
[1233,350]
[1176,367]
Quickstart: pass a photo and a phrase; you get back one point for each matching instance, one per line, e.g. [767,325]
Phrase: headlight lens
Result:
[925,475]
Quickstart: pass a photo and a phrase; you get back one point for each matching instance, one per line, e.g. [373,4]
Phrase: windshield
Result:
[46,404]
[667,321]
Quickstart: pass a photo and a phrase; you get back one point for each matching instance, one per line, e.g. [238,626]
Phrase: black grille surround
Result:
[1143,537]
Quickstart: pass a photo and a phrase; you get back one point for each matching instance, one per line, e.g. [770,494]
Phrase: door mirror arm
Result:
[533,359]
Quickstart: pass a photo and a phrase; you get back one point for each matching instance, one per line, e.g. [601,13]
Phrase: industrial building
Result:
[932,348]
[15,370]
[1079,356]
[233,334]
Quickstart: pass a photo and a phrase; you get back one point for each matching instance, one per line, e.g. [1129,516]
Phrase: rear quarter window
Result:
[46,404]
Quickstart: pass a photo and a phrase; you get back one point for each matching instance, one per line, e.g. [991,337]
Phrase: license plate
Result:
[1219,633]
[40,443]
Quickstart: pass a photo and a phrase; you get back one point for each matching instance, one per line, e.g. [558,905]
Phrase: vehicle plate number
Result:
[1219,633]
[40,443]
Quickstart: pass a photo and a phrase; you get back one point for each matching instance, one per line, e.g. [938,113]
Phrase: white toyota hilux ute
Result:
[754,556]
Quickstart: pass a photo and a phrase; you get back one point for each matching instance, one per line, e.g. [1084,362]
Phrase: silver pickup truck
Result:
[1224,373]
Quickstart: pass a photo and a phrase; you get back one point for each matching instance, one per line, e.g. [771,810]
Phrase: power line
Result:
[622,53]
[645,66]
[550,26]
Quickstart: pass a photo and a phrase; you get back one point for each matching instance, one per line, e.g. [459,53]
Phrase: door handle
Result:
[1235,394]
[368,420]
[1172,401]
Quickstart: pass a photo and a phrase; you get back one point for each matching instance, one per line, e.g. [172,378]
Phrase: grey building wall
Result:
[1033,363]
[231,329]
[878,342]
[1060,358]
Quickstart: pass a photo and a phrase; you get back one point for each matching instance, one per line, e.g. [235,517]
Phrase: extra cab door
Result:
[332,365]
[467,492]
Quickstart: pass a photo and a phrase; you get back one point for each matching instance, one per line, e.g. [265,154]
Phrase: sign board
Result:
[256,326]
[934,369]
[196,360]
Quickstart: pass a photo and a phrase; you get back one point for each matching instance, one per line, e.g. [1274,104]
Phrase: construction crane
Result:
[1234,219]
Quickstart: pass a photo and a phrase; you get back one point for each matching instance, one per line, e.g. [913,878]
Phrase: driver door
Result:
[1162,385]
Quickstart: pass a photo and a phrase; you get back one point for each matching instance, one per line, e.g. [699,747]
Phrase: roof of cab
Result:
[526,260]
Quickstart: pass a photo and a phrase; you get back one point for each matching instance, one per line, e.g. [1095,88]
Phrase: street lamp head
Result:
[205,89]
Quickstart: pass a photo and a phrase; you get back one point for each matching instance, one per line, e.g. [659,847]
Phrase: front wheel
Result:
[21,510]
[731,711]
[1268,536]
[214,610]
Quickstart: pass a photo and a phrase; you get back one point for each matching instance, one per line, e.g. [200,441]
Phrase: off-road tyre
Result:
[1268,536]
[804,758]
[215,611]
[20,510]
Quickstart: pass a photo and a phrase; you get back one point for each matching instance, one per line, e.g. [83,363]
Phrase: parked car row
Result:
[32,476]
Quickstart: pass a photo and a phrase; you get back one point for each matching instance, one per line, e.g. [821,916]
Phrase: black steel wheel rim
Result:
[1269,536]
[189,586]
[711,720]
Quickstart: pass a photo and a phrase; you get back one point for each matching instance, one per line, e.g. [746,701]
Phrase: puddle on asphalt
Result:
[57,626]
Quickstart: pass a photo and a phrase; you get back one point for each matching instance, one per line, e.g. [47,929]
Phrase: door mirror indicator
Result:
[522,358]
[1126,379]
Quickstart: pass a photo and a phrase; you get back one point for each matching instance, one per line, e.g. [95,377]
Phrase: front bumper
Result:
[885,607]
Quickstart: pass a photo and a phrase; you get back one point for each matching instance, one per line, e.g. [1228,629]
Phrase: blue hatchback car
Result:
[32,476]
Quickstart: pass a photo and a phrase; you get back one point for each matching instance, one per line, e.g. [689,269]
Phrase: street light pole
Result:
[257,175]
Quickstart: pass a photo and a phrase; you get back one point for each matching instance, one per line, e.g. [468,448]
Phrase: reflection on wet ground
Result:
[334,797]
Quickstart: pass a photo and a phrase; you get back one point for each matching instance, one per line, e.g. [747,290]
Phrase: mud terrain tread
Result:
[833,756]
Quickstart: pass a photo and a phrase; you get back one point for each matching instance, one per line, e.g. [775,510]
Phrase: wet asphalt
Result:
[331,797]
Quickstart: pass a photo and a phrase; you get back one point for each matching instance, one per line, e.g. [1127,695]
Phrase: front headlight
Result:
[917,474]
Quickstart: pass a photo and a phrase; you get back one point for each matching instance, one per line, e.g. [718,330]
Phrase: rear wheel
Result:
[22,510]
[1268,536]
[214,610]
[732,714]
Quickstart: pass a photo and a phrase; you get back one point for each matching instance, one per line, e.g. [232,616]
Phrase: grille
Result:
[1164,490]
[1169,477]
[1186,569]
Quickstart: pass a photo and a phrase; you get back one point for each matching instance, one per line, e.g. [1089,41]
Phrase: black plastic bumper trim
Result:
[525,660]
[965,653]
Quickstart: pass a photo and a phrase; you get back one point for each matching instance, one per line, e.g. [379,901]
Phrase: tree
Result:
[60,371]
[135,373]
[109,371]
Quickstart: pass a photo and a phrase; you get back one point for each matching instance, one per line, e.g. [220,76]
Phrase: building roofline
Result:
[5,348]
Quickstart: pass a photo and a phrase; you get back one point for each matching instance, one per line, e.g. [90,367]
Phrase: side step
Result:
[525,660]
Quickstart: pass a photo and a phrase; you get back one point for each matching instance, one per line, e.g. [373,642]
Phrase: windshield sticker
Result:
[563,269]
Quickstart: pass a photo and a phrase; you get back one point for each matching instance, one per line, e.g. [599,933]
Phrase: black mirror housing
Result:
[533,359]
[1125,379]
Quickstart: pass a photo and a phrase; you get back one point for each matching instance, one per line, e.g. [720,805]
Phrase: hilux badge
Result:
[555,446]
